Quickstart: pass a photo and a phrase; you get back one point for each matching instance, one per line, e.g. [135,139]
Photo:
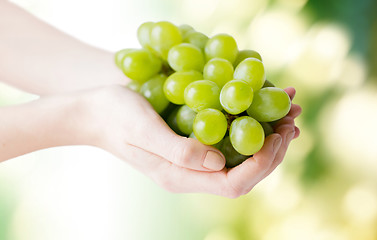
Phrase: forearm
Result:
[47,122]
[42,60]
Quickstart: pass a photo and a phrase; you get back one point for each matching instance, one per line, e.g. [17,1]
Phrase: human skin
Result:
[86,103]
[42,60]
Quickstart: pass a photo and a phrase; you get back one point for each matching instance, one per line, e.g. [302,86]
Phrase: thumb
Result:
[182,151]
[191,153]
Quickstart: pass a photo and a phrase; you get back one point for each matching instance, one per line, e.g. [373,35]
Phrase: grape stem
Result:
[230,118]
[166,69]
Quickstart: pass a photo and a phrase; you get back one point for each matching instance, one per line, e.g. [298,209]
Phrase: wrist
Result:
[43,123]
[58,121]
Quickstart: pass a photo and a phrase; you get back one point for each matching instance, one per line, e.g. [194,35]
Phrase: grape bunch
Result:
[205,88]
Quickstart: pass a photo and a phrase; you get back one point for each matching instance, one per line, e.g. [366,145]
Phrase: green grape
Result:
[267,128]
[269,104]
[233,158]
[119,56]
[252,71]
[185,29]
[185,119]
[144,33]
[176,83]
[172,121]
[196,38]
[140,65]
[246,135]
[268,84]
[222,46]
[163,36]
[134,86]
[185,56]
[218,70]
[236,96]
[242,55]
[152,90]
[202,94]
[210,126]
[168,110]
[216,145]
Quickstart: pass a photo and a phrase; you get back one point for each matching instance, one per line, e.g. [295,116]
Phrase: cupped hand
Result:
[124,123]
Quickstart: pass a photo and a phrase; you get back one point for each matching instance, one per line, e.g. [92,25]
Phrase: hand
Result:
[125,124]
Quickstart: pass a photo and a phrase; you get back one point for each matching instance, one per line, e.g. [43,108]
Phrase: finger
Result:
[159,139]
[171,177]
[231,184]
[289,118]
[287,132]
[144,161]
[174,178]
[295,111]
[291,92]
[246,175]
[297,132]
[284,121]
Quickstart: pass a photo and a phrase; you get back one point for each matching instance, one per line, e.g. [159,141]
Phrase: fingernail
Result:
[214,161]
[277,144]
[290,135]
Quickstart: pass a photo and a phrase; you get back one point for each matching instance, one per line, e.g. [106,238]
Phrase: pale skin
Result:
[84,102]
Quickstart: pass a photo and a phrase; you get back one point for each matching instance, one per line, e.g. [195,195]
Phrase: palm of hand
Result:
[136,133]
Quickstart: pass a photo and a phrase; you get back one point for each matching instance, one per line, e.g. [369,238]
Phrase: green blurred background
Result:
[325,189]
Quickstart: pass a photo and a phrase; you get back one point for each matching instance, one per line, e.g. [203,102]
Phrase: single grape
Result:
[185,56]
[202,94]
[196,38]
[119,56]
[176,83]
[172,120]
[152,90]
[269,104]
[252,71]
[246,135]
[134,86]
[144,34]
[243,54]
[236,96]
[140,65]
[185,29]
[233,158]
[221,46]
[185,119]
[163,36]
[210,126]
[218,70]
[268,84]
[216,145]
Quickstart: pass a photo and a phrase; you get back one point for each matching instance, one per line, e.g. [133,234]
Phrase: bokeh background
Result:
[326,188]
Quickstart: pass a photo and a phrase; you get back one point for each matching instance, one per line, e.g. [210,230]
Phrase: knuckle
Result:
[287,120]
[284,126]
[184,152]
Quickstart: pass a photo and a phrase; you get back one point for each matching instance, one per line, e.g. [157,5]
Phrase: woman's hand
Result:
[124,123]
